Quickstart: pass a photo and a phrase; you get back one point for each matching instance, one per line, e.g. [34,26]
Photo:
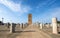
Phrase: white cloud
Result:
[47,3]
[43,3]
[49,14]
[17,7]
[55,12]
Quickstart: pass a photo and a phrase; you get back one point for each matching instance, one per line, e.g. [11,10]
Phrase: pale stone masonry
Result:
[54,25]
[12,28]
[41,25]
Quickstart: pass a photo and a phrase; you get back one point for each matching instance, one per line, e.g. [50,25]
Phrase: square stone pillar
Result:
[41,26]
[22,25]
[12,28]
[25,25]
[54,25]
[8,25]
[29,19]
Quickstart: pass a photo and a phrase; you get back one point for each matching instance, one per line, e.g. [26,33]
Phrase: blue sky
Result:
[17,10]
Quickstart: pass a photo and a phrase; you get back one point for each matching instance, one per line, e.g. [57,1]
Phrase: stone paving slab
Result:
[33,32]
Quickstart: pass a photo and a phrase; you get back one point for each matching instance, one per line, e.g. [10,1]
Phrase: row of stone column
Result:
[12,27]
[54,25]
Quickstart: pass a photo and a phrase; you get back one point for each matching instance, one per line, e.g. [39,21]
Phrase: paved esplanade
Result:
[33,32]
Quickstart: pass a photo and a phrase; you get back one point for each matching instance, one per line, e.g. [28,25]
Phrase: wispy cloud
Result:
[16,7]
[55,12]
[51,13]
[46,3]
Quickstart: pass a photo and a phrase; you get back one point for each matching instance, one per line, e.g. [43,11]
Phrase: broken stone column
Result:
[12,28]
[41,26]
[54,25]
[8,25]
[48,25]
[22,25]
[25,25]
[51,25]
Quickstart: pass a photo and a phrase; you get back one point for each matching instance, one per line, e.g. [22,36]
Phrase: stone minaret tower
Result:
[29,19]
